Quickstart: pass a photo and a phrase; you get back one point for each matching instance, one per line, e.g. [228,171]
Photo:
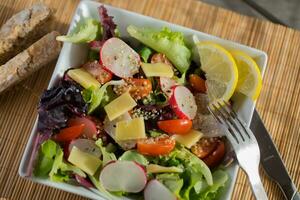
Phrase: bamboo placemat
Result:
[278,103]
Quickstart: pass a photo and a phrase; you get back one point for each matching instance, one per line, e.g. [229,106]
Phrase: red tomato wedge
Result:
[197,83]
[70,133]
[162,145]
[90,128]
[175,126]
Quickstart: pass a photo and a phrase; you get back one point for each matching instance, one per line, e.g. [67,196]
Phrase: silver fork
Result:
[244,144]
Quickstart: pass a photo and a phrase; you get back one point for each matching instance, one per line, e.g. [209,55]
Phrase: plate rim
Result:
[88,193]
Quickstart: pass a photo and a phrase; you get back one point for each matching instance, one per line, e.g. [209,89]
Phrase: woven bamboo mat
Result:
[278,103]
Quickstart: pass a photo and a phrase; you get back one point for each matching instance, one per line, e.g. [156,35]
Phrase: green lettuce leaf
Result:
[132,155]
[193,163]
[181,80]
[45,159]
[50,162]
[61,170]
[96,96]
[172,181]
[165,41]
[86,31]
[191,177]
[107,156]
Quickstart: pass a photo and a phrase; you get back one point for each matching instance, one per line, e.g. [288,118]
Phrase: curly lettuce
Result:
[86,31]
[165,41]
[220,179]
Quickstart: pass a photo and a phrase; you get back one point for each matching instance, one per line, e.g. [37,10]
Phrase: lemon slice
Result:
[221,70]
[250,80]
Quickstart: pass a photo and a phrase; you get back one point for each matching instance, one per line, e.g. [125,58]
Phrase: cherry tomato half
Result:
[90,127]
[162,145]
[214,159]
[197,83]
[175,126]
[138,87]
[70,133]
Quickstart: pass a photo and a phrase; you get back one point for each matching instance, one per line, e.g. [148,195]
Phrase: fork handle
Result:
[257,186]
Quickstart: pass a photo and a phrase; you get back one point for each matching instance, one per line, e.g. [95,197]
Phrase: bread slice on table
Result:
[22,29]
[30,60]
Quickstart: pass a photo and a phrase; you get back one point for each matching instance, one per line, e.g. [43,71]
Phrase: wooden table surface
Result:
[278,103]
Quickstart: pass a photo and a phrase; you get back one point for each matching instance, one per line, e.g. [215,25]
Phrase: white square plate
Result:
[73,55]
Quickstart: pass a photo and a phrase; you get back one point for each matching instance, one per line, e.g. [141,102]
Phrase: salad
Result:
[133,120]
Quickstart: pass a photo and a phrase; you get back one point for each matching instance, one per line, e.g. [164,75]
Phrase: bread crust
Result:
[22,29]
[30,60]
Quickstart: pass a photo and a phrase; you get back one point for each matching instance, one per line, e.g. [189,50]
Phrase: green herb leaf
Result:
[145,53]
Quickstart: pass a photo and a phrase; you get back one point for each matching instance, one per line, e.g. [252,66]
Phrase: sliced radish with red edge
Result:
[119,58]
[183,103]
[166,85]
[87,146]
[126,176]
[155,190]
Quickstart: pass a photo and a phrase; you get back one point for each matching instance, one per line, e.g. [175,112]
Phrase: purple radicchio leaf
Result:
[58,104]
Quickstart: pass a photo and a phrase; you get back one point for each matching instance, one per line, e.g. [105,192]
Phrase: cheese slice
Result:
[85,161]
[157,69]
[84,78]
[119,106]
[130,129]
[189,139]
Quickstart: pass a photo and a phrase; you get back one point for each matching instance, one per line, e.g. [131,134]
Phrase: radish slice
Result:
[90,128]
[126,176]
[119,58]
[166,85]
[87,146]
[183,102]
[155,190]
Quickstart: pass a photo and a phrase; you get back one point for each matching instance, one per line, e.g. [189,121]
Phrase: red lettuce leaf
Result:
[107,23]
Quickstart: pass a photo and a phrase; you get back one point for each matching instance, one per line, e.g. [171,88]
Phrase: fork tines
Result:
[224,114]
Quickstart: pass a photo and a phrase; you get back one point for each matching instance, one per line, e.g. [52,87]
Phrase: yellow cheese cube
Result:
[157,69]
[119,106]
[130,129]
[84,78]
[189,139]
[85,161]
